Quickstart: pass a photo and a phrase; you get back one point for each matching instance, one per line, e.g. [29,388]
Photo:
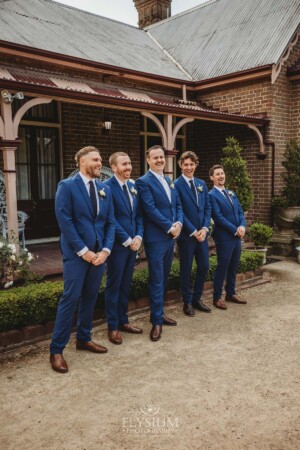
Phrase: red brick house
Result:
[224,68]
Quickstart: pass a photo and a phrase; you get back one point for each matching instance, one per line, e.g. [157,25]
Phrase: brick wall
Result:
[82,125]
[295,110]
[207,139]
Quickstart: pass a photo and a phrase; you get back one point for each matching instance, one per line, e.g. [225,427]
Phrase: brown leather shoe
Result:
[58,363]
[155,333]
[188,309]
[201,306]
[219,304]
[114,337]
[168,321]
[128,328]
[235,299]
[91,347]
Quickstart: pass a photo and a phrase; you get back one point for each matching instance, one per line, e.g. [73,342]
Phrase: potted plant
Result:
[287,205]
[261,235]
[237,177]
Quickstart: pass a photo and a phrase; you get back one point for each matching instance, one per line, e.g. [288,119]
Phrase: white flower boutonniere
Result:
[102,193]
[171,184]
[231,193]
[200,188]
[133,191]
[131,181]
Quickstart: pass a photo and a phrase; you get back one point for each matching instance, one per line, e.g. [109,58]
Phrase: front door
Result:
[37,163]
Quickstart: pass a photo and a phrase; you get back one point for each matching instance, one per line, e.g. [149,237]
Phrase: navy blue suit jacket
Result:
[227,218]
[159,213]
[196,214]
[75,218]
[128,223]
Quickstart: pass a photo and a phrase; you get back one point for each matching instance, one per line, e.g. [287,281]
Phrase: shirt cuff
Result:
[106,250]
[140,237]
[82,251]
[179,223]
[127,242]
[194,232]
[206,229]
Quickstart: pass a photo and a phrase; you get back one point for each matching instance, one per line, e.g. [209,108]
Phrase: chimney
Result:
[152,11]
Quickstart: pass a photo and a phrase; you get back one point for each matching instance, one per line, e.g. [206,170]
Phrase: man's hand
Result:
[176,230]
[240,232]
[135,244]
[101,258]
[89,256]
[201,235]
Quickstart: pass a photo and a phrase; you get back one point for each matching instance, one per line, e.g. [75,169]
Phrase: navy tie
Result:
[93,197]
[127,196]
[227,196]
[194,190]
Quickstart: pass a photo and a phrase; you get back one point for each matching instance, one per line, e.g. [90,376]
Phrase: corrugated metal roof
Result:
[51,26]
[100,90]
[214,39]
[226,36]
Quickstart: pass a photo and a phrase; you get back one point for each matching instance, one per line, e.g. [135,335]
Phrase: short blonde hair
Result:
[84,151]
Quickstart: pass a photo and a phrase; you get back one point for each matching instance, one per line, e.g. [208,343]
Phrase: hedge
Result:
[37,303]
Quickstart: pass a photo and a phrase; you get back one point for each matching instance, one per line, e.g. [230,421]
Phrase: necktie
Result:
[227,196]
[93,197]
[127,196]
[165,186]
[194,190]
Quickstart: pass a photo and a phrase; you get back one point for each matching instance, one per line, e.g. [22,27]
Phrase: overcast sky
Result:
[124,10]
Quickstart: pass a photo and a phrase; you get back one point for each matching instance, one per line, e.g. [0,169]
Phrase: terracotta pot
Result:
[284,219]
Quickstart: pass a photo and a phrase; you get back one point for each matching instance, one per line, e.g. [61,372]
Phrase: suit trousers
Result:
[81,287]
[120,266]
[228,257]
[188,249]
[160,256]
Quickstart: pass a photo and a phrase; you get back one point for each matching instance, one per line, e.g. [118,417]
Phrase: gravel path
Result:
[226,380]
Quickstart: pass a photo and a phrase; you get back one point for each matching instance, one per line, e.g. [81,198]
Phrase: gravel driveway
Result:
[226,380]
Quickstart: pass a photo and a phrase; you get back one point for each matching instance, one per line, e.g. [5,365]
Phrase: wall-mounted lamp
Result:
[9,98]
[106,126]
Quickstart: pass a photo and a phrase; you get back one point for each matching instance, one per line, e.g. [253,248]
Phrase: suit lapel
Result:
[160,186]
[122,193]
[222,196]
[84,192]
[190,192]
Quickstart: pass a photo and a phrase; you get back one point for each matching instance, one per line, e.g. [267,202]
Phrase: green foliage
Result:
[297,223]
[37,303]
[260,234]
[237,178]
[292,175]
[279,202]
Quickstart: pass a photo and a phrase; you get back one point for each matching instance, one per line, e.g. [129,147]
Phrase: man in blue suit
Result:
[163,220]
[129,235]
[192,242]
[84,211]
[229,229]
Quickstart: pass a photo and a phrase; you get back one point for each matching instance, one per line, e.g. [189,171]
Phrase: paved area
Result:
[223,381]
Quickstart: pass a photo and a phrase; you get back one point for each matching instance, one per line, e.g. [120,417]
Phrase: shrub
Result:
[237,177]
[37,303]
[260,234]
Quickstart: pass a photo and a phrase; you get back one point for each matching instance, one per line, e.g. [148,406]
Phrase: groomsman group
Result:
[104,224]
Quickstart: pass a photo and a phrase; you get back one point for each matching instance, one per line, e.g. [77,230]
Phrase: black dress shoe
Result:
[155,333]
[199,305]
[168,321]
[188,309]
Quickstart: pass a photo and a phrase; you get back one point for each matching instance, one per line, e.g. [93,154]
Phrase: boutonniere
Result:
[171,184]
[102,193]
[200,188]
[133,191]
[231,193]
